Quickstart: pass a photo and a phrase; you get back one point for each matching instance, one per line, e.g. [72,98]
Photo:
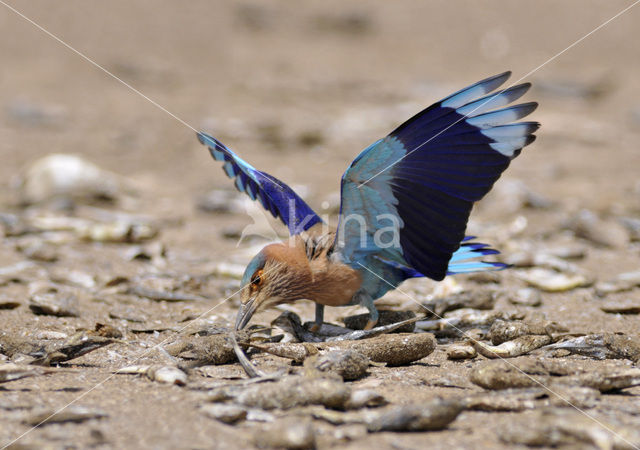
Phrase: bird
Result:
[405,203]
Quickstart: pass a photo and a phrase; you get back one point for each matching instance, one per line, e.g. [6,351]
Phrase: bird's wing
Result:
[420,182]
[275,196]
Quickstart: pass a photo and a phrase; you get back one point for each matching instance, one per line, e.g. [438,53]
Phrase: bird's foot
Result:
[370,324]
[319,319]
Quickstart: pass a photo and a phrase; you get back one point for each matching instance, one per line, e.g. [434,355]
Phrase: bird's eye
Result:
[257,279]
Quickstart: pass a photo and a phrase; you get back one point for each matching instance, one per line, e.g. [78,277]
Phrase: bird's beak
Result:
[245,313]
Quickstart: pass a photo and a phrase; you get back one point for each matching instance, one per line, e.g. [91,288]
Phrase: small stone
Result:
[365,398]
[394,349]
[552,281]
[526,297]
[630,306]
[349,364]
[167,375]
[289,433]
[607,233]
[62,176]
[386,318]
[54,304]
[224,413]
[73,413]
[430,416]
[461,351]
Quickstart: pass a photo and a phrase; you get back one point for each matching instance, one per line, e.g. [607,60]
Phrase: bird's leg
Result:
[319,318]
[367,301]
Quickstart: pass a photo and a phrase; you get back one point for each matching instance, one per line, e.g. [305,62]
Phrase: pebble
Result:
[604,346]
[525,297]
[224,413]
[11,372]
[484,299]
[510,349]
[72,413]
[167,375]
[461,351]
[67,176]
[204,350]
[358,322]
[392,349]
[608,233]
[621,283]
[365,398]
[288,433]
[349,364]
[429,416]
[287,393]
[54,304]
[628,306]
[552,281]
[525,373]
[569,428]
[502,330]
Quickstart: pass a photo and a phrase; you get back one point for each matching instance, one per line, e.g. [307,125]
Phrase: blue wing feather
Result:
[428,173]
[274,196]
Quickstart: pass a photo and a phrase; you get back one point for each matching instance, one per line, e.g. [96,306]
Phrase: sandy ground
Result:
[297,90]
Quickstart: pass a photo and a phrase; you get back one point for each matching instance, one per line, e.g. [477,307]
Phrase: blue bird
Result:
[405,202]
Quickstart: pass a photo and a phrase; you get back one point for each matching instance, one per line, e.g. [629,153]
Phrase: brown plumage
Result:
[299,268]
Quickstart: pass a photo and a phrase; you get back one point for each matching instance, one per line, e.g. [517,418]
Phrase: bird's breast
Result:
[334,283]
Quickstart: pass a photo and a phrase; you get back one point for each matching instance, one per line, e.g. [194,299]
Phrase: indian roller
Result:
[405,202]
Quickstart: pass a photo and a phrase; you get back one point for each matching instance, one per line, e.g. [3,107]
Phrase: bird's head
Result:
[278,274]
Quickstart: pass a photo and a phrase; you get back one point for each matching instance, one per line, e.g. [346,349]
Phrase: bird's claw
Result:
[370,324]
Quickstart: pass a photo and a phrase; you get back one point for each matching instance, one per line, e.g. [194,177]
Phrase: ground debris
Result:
[224,413]
[552,281]
[608,233]
[428,416]
[204,350]
[291,323]
[349,364]
[526,373]
[161,374]
[79,344]
[387,317]
[515,347]
[484,299]
[521,399]
[525,297]
[12,372]
[287,393]
[461,351]
[629,306]
[502,331]
[458,322]
[6,303]
[555,427]
[393,349]
[72,413]
[69,177]
[60,304]
[621,283]
[164,296]
[603,346]
[50,353]
[287,433]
